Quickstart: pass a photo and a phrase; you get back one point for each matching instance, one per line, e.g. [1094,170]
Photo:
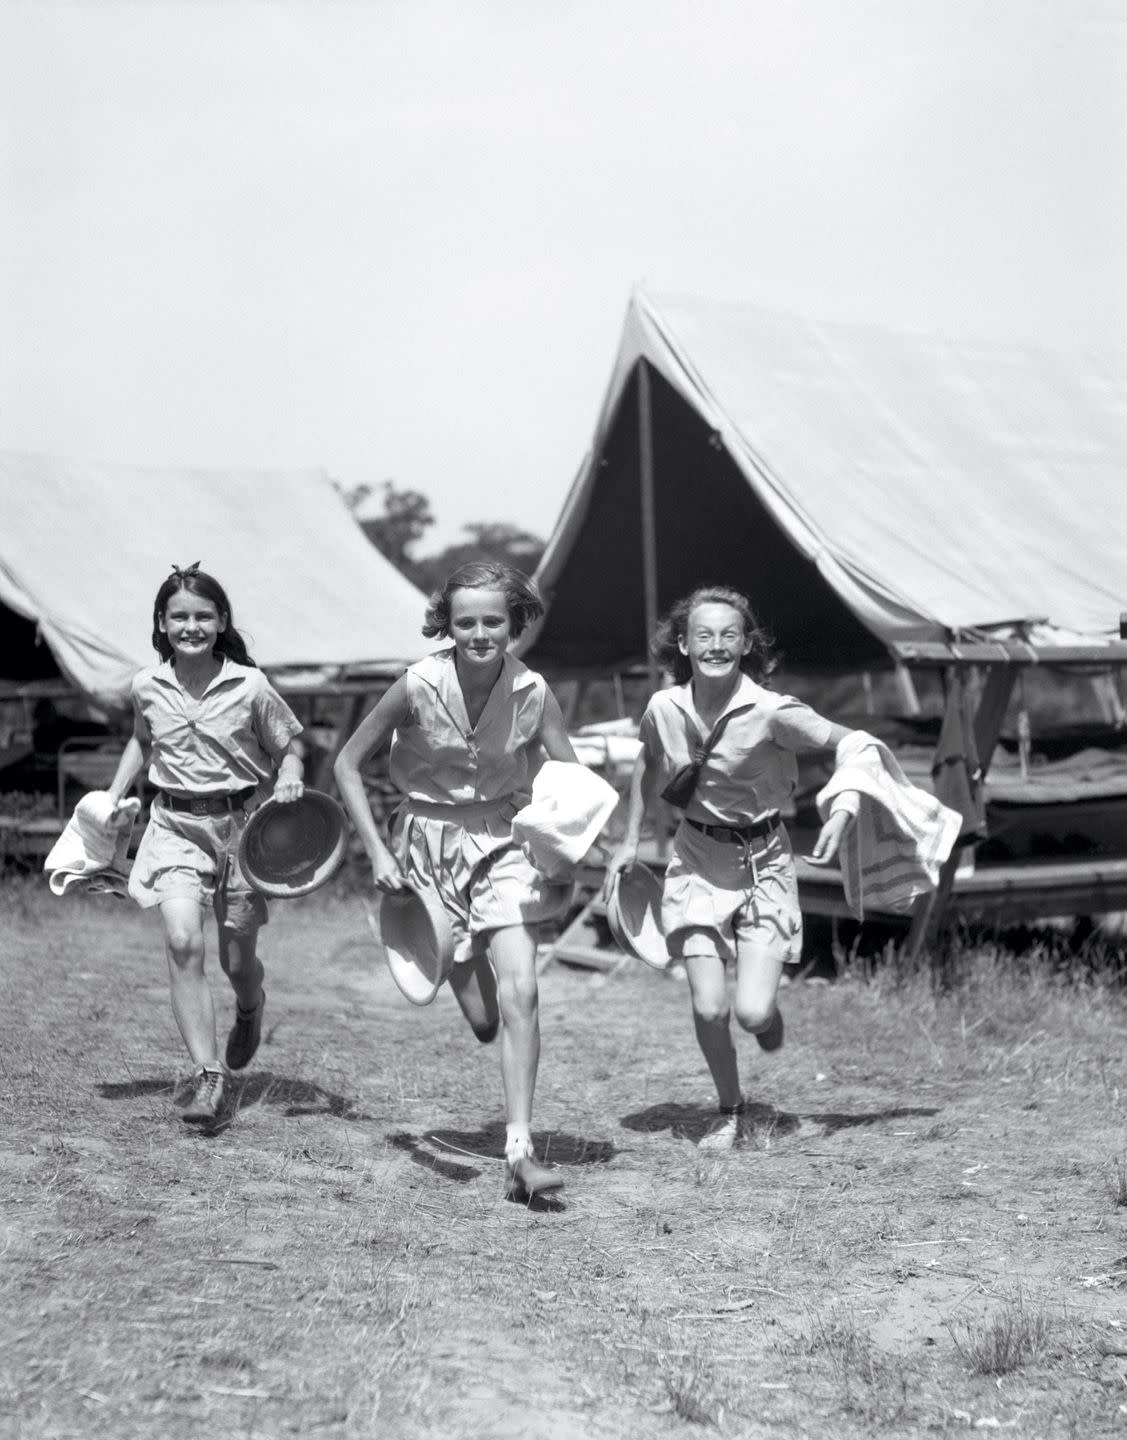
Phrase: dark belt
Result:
[209,804]
[738,834]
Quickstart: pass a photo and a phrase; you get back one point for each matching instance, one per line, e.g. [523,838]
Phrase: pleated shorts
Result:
[196,857]
[466,855]
[716,901]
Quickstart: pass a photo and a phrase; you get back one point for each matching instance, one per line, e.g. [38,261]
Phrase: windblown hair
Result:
[521,596]
[759,661]
[207,587]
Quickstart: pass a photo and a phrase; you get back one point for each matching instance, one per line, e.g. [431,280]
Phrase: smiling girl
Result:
[721,747]
[468,727]
[215,734]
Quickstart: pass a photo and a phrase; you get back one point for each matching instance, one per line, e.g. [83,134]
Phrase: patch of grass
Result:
[835,1336]
[1012,1337]
[691,1387]
[1119,1182]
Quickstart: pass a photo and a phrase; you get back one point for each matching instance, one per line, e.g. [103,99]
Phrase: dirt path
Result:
[338,1261]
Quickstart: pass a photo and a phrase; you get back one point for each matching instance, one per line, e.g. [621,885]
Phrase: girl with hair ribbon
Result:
[216,737]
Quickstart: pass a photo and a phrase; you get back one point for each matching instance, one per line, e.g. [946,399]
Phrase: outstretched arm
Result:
[372,734]
[841,816]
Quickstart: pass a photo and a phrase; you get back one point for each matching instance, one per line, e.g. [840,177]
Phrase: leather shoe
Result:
[525,1177]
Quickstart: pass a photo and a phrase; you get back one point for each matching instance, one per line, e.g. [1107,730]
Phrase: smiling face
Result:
[715,641]
[480,627]
[192,625]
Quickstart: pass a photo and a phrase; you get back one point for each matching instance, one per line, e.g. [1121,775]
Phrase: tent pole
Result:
[649,518]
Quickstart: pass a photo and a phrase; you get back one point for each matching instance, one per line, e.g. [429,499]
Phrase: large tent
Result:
[875,493]
[83,548]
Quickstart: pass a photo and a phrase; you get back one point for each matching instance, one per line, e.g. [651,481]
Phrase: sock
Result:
[518,1141]
[250,1010]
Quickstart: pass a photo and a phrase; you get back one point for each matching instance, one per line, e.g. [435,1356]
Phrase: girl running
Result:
[214,732]
[721,747]
[468,728]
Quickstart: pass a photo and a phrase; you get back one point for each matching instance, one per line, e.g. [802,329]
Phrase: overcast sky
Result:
[397,239]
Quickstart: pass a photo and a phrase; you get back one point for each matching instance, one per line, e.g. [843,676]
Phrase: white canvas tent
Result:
[873,492]
[84,547]
[878,496]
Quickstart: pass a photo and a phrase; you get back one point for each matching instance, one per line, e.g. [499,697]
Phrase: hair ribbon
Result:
[188,573]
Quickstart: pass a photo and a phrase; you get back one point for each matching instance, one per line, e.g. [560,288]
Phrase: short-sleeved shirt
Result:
[752,768]
[437,756]
[232,737]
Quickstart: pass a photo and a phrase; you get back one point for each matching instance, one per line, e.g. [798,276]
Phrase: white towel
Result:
[902,835]
[92,851]
[570,805]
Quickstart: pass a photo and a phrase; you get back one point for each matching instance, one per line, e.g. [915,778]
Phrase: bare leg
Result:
[475,989]
[192,1006]
[709,989]
[513,951]
[759,968]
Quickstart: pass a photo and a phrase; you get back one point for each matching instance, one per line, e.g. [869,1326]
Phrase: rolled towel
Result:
[569,806]
[93,849]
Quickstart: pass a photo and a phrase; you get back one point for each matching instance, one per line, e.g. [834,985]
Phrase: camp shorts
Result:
[196,857]
[466,855]
[714,903]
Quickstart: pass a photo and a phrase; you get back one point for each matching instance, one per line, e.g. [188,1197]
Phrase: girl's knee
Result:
[754,1015]
[485,1030]
[519,997]
[711,1010]
[185,947]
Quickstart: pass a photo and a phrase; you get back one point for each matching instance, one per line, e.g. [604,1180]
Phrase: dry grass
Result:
[923,1188]
[1008,1339]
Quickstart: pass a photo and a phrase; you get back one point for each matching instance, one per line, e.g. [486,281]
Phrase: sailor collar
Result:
[747,692]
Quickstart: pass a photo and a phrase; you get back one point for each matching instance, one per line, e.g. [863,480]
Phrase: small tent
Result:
[874,493]
[84,547]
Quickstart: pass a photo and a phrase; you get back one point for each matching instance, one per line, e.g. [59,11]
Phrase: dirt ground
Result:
[924,1232]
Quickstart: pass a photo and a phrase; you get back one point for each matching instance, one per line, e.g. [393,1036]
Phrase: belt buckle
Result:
[199,807]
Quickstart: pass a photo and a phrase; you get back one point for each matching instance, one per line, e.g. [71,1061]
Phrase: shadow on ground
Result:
[448,1169]
[765,1122]
[292,1096]
[552,1146]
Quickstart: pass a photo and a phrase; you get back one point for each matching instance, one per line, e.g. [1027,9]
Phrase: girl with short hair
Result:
[468,727]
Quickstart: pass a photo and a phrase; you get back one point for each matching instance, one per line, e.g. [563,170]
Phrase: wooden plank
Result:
[583,943]
[928,654]
[1021,891]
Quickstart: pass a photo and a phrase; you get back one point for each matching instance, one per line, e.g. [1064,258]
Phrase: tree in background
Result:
[406,518]
[488,540]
